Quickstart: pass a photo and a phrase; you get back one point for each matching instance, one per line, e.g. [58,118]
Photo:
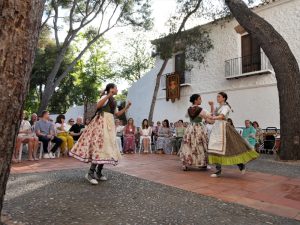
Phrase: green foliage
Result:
[90,74]
[65,96]
[136,60]
[195,42]
[89,19]
[44,61]
[122,97]
[81,86]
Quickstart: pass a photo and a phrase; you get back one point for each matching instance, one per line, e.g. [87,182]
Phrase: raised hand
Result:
[128,104]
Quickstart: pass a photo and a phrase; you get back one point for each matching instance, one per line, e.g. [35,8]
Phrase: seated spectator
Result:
[119,131]
[180,129]
[63,133]
[70,123]
[129,137]
[163,144]
[155,130]
[87,121]
[249,133]
[259,135]
[45,131]
[33,119]
[172,129]
[77,129]
[26,136]
[145,133]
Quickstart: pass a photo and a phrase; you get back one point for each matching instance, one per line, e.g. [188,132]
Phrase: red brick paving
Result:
[274,194]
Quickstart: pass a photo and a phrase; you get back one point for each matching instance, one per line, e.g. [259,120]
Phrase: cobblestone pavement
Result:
[65,197]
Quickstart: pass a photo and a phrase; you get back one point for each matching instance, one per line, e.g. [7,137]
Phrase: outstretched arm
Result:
[220,117]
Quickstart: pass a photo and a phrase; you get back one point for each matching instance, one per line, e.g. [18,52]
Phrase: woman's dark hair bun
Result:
[194,97]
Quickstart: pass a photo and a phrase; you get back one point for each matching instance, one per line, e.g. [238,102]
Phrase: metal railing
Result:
[247,65]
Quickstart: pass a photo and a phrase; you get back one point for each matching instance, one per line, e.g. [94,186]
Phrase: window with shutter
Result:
[180,66]
[251,60]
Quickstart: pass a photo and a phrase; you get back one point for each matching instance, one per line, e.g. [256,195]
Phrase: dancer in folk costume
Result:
[226,146]
[97,144]
[193,151]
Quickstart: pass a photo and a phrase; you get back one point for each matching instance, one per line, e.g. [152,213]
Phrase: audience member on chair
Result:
[63,133]
[77,129]
[129,137]
[163,144]
[249,133]
[26,136]
[180,129]
[145,133]
[119,133]
[33,119]
[46,133]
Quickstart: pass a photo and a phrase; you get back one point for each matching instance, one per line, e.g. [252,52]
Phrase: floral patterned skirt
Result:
[129,144]
[97,144]
[193,151]
[165,144]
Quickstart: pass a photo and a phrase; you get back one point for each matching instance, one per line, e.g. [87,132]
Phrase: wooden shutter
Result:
[180,66]
[250,54]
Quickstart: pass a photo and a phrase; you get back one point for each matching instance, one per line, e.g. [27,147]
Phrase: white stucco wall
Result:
[72,113]
[254,97]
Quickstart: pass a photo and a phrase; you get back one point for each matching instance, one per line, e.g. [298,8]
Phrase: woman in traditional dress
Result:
[97,144]
[163,144]
[193,151]
[129,137]
[226,146]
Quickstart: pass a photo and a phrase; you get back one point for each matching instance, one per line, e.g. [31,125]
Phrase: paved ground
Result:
[37,196]
[267,164]
[64,197]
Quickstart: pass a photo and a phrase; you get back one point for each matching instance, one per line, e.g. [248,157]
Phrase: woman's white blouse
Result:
[146,132]
[58,126]
[224,110]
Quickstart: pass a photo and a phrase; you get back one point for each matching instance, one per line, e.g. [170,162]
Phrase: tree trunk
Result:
[175,37]
[19,22]
[155,92]
[286,71]
[46,96]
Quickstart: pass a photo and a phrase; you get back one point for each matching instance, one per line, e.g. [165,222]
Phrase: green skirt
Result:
[237,150]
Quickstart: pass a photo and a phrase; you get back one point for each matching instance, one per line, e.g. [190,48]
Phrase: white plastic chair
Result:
[240,131]
[21,150]
[119,143]
[49,148]
[141,144]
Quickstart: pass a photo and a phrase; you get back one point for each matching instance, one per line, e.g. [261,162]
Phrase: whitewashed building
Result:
[235,65]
